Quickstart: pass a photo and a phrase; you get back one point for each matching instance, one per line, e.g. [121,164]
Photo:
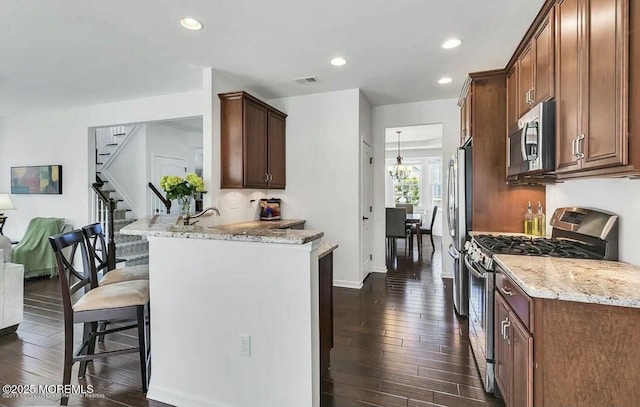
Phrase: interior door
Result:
[165,166]
[366,201]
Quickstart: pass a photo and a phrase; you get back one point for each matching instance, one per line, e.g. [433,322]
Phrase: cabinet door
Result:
[525,79]
[463,121]
[255,145]
[544,60]
[567,84]
[604,83]
[468,102]
[522,363]
[501,355]
[276,144]
[512,100]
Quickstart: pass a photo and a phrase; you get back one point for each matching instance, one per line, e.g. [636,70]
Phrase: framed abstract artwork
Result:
[41,179]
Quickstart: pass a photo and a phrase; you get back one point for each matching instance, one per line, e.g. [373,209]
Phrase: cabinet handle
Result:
[266,177]
[502,323]
[532,95]
[506,333]
[270,177]
[574,147]
[579,143]
[504,291]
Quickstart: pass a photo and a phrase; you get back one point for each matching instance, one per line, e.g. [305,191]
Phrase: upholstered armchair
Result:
[11,291]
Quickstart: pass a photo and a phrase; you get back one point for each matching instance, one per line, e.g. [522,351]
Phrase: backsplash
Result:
[620,196]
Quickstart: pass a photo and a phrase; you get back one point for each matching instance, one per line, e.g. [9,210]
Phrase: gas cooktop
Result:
[524,245]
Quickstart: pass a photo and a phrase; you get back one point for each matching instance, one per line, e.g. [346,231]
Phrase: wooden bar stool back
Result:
[114,302]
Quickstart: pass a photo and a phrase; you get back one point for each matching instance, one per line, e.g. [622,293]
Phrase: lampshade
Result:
[5,202]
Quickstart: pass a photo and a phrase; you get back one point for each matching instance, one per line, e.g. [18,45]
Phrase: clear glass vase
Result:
[185,204]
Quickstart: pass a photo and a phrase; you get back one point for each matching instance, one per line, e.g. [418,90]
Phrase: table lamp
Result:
[5,204]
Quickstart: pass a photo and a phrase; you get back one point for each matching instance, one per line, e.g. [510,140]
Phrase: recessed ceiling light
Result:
[445,80]
[191,23]
[451,43]
[338,61]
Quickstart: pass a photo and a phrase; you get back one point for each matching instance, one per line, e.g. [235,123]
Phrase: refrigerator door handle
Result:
[449,203]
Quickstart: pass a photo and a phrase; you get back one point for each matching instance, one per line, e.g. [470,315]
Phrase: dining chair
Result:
[395,220]
[428,231]
[409,207]
[112,302]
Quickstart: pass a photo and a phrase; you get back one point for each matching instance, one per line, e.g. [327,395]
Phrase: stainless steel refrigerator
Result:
[459,212]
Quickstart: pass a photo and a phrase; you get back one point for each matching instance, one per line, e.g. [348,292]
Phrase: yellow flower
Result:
[195,181]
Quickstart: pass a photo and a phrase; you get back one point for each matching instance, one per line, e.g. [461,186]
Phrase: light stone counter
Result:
[253,231]
[325,248]
[588,281]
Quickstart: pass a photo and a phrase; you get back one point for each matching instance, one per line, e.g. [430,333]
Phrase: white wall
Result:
[620,196]
[443,111]
[127,171]
[62,137]
[167,141]
[323,168]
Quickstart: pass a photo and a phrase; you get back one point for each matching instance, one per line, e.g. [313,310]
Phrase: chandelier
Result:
[398,170]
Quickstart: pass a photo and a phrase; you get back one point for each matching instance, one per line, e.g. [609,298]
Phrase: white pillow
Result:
[5,246]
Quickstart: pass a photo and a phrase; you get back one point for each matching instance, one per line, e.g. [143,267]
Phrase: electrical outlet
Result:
[245,345]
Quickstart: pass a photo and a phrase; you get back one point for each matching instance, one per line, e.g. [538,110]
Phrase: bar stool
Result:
[112,302]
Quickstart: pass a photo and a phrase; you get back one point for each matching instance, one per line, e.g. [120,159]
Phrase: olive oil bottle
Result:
[528,220]
[539,222]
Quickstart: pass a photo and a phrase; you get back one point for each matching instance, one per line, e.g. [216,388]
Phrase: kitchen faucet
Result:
[186,218]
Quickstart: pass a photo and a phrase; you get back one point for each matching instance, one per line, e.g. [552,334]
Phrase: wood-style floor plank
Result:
[398,342]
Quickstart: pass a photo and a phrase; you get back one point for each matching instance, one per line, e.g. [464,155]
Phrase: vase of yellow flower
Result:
[182,189]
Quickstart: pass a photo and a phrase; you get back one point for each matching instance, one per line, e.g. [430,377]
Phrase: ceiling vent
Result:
[306,79]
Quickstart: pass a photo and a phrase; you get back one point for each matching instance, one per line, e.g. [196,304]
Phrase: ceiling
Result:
[428,136]
[62,53]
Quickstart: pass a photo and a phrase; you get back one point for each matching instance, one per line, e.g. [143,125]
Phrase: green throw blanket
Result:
[34,250]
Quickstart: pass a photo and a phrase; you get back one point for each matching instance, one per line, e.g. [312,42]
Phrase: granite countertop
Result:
[254,231]
[325,248]
[589,281]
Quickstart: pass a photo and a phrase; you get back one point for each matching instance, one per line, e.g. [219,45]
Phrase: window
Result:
[435,178]
[407,188]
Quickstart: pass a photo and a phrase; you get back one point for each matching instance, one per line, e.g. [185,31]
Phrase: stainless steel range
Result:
[577,233]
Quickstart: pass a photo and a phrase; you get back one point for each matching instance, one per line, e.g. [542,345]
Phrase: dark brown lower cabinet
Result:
[556,353]
[325,284]
[514,357]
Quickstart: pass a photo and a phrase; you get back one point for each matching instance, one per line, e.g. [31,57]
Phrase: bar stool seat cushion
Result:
[124,294]
[119,275]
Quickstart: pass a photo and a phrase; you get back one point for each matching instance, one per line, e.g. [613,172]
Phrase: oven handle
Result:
[473,270]
[453,252]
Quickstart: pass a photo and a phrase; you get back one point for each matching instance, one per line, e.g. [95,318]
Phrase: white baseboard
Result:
[347,284]
[176,398]
[379,269]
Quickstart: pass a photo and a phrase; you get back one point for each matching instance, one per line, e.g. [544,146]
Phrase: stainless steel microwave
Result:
[532,147]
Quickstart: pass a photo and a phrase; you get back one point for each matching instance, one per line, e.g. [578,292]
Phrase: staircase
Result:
[134,250]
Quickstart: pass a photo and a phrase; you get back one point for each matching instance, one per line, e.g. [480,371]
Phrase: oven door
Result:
[481,297]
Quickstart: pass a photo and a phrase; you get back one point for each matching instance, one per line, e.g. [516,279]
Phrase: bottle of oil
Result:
[539,222]
[528,220]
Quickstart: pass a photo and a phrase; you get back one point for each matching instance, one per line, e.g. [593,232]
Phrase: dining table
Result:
[414,222]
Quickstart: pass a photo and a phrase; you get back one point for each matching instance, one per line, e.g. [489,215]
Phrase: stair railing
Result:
[104,207]
[165,201]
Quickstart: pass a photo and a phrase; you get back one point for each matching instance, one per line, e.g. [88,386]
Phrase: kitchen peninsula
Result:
[212,285]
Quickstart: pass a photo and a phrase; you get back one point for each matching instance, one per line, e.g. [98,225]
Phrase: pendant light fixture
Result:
[397,171]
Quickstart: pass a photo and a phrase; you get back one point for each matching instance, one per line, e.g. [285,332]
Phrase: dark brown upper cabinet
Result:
[592,84]
[465,117]
[535,67]
[252,142]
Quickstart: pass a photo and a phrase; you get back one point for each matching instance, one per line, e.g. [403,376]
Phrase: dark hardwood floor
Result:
[397,343]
